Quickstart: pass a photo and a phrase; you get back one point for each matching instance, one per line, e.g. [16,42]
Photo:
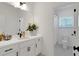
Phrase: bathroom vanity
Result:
[11,23]
[30,46]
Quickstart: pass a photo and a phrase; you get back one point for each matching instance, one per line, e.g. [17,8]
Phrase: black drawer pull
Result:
[8,50]
[28,49]
[16,53]
[36,45]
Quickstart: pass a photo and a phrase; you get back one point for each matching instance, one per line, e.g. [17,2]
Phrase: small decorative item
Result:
[8,37]
[2,36]
[22,34]
[32,28]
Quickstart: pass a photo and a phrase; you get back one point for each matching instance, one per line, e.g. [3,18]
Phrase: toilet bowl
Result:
[65,42]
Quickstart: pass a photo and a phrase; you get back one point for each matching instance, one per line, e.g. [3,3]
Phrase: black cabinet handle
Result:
[16,53]
[36,45]
[29,48]
[8,50]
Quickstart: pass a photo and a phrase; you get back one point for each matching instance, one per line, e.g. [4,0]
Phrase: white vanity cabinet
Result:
[31,47]
[21,47]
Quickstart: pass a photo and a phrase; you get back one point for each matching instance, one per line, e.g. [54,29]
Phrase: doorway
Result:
[66,31]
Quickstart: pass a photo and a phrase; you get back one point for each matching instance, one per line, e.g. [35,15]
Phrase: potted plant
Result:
[32,28]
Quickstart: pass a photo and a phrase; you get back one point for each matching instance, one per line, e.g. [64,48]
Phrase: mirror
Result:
[9,19]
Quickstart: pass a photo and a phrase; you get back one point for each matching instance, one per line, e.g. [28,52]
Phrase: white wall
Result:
[43,15]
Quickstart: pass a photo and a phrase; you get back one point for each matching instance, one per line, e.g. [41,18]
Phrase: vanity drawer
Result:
[8,49]
[27,43]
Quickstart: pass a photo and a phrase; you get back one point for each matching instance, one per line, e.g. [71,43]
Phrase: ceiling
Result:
[54,4]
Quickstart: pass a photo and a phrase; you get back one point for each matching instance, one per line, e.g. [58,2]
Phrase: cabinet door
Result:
[23,52]
[38,46]
[27,48]
[32,50]
[27,51]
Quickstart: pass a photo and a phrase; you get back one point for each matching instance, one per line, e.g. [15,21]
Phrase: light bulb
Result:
[24,7]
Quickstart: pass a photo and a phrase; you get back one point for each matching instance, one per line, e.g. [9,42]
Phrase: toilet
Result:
[65,42]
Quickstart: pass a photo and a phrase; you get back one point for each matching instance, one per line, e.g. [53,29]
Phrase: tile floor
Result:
[60,51]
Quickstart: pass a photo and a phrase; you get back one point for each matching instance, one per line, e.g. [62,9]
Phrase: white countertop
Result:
[16,39]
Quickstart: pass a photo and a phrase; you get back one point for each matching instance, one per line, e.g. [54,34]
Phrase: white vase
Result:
[33,33]
[26,34]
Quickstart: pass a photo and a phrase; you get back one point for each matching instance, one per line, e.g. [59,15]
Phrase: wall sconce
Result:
[21,5]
